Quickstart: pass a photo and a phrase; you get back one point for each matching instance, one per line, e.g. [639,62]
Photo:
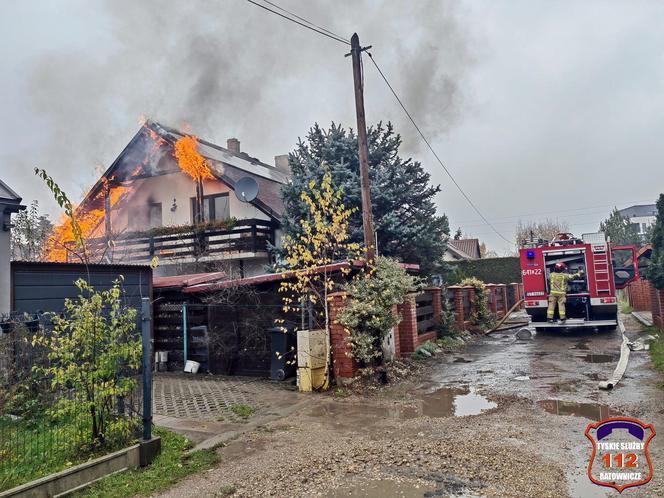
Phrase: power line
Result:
[306,21]
[309,25]
[334,36]
[495,220]
[410,117]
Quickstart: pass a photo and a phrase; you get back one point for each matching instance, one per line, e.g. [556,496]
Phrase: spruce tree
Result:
[655,271]
[404,212]
[620,230]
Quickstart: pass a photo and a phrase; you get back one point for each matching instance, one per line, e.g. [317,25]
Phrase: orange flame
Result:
[63,236]
[190,160]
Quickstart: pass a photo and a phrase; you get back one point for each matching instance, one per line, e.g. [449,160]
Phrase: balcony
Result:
[236,240]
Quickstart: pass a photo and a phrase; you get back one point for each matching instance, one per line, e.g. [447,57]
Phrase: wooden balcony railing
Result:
[246,236]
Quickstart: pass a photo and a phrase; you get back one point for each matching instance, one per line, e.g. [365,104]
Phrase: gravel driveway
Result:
[505,418]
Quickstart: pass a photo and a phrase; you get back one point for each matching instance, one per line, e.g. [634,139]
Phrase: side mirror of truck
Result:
[625,265]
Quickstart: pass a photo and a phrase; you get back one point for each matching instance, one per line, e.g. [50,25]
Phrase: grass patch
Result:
[625,308]
[243,411]
[35,447]
[227,490]
[657,349]
[171,466]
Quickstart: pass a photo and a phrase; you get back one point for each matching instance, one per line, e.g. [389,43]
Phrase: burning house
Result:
[186,204]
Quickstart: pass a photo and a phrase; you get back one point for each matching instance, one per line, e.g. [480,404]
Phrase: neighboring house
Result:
[10,203]
[144,206]
[642,216]
[462,249]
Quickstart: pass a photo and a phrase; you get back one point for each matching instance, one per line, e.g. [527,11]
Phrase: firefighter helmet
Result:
[560,266]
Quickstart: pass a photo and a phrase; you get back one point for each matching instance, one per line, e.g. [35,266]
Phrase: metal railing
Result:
[44,428]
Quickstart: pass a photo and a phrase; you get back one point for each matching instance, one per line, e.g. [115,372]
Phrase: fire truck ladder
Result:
[601,270]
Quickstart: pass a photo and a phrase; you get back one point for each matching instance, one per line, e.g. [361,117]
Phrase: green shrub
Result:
[481,316]
[490,270]
[368,314]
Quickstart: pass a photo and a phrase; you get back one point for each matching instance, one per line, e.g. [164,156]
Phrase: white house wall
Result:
[648,220]
[132,213]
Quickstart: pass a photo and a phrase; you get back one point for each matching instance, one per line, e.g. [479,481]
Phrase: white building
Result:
[144,206]
[643,216]
[10,203]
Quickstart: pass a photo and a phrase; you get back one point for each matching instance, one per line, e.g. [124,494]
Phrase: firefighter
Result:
[558,290]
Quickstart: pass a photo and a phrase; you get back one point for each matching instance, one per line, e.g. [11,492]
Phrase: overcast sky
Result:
[538,108]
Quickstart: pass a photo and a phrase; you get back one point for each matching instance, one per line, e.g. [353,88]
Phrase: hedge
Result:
[489,270]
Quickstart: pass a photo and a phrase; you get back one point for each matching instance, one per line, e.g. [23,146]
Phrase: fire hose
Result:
[622,362]
[505,317]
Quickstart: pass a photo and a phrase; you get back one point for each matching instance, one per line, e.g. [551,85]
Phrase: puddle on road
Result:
[381,488]
[447,402]
[352,411]
[599,358]
[592,411]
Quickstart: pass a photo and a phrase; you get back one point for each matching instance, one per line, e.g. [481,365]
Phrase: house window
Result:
[215,208]
[154,214]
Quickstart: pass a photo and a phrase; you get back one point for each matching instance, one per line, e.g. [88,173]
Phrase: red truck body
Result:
[591,299]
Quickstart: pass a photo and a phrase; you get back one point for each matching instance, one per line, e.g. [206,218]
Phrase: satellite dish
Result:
[246,189]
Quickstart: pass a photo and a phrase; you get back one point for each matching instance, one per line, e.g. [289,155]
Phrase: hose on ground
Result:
[511,310]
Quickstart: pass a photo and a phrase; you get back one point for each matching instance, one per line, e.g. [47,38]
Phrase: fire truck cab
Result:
[591,299]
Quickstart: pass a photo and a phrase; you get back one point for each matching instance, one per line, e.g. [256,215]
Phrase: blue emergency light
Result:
[530,254]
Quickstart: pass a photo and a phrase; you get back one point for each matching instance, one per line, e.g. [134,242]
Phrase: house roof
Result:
[226,165]
[639,210]
[465,248]
[181,281]
[209,282]
[9,198]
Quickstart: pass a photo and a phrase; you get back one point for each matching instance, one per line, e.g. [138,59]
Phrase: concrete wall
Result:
[4,269]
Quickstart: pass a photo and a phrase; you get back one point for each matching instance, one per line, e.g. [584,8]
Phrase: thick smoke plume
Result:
[228,68]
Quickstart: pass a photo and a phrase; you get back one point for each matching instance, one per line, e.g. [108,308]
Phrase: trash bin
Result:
[282,353]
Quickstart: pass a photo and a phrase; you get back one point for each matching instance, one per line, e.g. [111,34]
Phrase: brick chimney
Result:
[233,144]
[281,163]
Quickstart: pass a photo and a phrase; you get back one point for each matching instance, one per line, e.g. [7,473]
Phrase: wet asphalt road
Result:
[559,373]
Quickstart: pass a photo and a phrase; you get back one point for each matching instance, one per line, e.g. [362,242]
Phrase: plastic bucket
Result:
[192,366]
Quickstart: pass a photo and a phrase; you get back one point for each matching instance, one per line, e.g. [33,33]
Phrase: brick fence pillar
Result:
[506,307]
[493,301]
[344,366]
[471,299]
[457,305]
[659,298]
[408,324]
[516,292]
[397,340]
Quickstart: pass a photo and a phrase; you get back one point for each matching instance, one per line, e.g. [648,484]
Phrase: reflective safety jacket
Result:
[558,282]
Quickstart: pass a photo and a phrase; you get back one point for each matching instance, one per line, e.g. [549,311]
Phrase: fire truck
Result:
[591,299]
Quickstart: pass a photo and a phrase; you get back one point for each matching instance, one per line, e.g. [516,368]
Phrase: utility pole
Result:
[367,221]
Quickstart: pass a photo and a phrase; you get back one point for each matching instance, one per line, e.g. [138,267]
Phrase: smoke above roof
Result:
[225,69]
